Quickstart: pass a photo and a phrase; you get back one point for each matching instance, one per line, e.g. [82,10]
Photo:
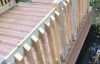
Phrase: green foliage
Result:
[23,0]
[94,2]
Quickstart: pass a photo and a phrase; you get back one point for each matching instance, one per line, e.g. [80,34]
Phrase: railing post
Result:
[6,5]
[37,49]
[43,45]
[61,27]
[78,14]
[0,4]
[28,53]
[54,39]
[67,18]
[87,6]
[7,1]
[82,9]
[74,21]
[3,2]
[50,43]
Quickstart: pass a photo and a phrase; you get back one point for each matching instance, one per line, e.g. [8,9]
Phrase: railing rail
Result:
[50,41]
[6,5]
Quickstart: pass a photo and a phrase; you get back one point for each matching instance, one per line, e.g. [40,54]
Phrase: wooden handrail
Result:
[49,42]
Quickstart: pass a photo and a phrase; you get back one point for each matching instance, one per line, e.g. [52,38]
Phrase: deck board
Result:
[43,1]
[16,23]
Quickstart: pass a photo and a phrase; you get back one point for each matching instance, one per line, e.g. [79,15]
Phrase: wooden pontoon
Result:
[43,31]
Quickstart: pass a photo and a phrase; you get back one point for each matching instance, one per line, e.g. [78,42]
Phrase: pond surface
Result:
[90,47]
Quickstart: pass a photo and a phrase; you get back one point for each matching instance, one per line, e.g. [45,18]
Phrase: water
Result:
[90,47]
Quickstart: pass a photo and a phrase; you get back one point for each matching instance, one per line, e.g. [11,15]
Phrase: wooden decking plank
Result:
[13,34]
[27,13]
[19,24]
[22,17]
[4,49]
[9,40]
[12,44]
[36,4]
[16,27]
[18,21]
[43,1]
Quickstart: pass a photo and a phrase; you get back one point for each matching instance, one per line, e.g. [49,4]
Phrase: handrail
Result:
[50,41]
[6,5]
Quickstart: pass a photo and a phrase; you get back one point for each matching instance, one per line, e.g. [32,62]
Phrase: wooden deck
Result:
[45,33]
[16,23]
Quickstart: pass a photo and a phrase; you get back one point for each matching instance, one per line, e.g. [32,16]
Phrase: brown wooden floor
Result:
[16,23]
[43,1]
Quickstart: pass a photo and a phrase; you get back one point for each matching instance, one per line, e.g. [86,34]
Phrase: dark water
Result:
[90,47]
